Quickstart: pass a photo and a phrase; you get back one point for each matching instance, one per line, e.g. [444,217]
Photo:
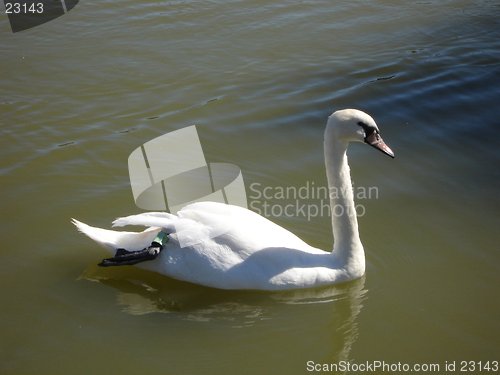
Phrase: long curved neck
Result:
[347,246]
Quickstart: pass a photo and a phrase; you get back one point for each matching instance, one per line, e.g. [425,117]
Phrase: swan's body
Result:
[243,250]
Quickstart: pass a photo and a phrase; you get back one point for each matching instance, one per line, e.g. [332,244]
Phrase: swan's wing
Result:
[230,226]
[239,227]
[112,240]
[149,219]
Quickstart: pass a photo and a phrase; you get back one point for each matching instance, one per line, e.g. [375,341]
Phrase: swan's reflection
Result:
[146,292]
[322,314]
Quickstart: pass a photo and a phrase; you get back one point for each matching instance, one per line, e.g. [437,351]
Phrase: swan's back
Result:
[237,227]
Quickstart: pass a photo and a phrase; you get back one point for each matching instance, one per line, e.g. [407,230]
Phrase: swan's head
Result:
[351,125]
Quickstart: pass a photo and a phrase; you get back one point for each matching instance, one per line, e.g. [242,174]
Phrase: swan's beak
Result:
[376,141]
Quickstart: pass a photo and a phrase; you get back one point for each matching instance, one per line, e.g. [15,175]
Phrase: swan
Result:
[239,249]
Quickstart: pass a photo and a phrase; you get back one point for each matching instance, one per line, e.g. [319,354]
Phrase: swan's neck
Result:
[347,246]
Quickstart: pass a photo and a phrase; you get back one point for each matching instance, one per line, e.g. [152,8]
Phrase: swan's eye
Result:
[369,130]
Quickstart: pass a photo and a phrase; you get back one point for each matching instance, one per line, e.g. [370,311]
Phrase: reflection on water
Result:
[142,292]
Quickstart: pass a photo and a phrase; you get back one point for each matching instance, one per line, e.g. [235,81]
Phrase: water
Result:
[259,79]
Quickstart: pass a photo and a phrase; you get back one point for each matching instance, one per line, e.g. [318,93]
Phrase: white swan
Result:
[252,252]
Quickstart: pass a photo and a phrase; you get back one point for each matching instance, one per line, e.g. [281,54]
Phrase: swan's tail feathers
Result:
[113,240]
[149,219]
